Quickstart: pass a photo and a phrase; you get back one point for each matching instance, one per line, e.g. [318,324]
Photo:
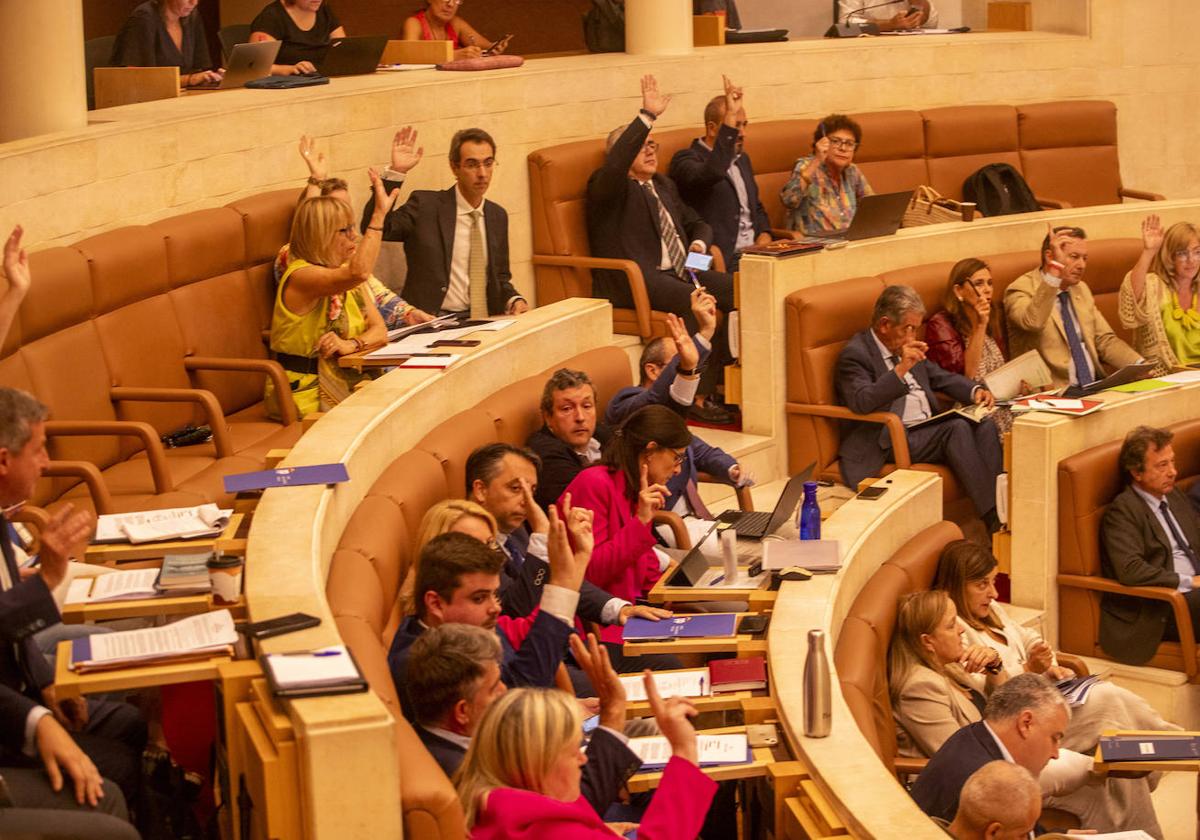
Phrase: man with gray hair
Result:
[1024,723]
[884,369]
[1000,801]
[570,439]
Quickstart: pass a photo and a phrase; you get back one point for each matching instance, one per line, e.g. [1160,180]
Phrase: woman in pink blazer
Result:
[623,492]
[520,777]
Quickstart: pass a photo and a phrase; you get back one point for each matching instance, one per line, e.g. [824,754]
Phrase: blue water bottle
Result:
[810,513]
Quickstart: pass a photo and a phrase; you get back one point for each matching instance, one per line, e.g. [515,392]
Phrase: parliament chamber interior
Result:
[279,311]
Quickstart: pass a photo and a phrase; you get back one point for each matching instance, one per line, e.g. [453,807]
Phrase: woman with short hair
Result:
[322,309]
[166,33]
[825,187]
[1160,296]
[440,21]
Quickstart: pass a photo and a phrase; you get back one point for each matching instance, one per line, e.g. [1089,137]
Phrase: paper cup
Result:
[968,211]
[225,575]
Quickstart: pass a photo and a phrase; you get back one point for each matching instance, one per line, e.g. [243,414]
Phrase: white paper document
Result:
[327,666]
[168,524]
[814,555]
[1005,381]
[114,586]
[1182,377]
[208,631]
[710,749]
[691,683]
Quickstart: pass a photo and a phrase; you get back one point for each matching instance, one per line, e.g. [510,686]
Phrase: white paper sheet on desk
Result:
[691,683]
[1182,376]
[169,524]
[1067,404]
[492,326]
[208,631]
[115,586]
[325,666]
[1136,834]
[710,749]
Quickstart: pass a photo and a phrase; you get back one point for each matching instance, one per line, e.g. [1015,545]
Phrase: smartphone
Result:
[872,493]
[698,262]
[278,626]
[753,624]
[498,45]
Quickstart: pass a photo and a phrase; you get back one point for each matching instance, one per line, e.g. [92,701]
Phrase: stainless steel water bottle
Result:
[818,708]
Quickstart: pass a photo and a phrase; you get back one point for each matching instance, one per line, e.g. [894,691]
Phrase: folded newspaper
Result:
[1076,689]
[169,524]
[197,637]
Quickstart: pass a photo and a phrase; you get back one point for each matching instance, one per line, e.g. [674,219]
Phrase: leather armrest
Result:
[1070,660]
[678,530]
[273,370]
[121,428]
[35,517]
[906,766]
[1187,636]
[743,493]
[1052,203]
[718,258]
[895,425]
[90,475]
[207,400]
[1126,192]
[637,283]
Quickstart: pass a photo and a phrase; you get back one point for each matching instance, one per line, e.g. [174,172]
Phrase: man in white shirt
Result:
[455,241]
[913,14]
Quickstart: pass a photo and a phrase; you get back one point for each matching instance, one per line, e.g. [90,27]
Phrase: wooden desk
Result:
[68,683]
[229,542]
[722,702]
[742,644]
[1192,765]
[759,597]
[763,758]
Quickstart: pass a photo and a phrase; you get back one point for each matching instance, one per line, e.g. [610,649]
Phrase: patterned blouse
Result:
[823,205]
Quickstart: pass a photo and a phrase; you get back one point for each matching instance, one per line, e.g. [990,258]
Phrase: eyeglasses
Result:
[476,165]
[650,146]
[1193,255]
[840,143]
[679,456]
[451,3]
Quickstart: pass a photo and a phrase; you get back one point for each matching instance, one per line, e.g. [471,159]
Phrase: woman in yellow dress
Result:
[1160,296]
[322,307]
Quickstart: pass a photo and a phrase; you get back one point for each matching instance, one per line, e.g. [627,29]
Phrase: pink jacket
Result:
[676,812]
[623,562]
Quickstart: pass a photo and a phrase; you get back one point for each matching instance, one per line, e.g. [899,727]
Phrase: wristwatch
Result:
[682,371]
[649,115]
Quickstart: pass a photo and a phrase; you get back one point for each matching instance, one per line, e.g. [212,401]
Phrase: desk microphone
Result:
[869,8]
[846,29]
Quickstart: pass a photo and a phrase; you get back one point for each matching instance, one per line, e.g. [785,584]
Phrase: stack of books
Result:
[184,574]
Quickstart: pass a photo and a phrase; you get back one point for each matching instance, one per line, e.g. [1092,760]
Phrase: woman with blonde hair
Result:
[459,515]
[967,574]
[520,779]
[928,668]
[1160,296]
[322,310]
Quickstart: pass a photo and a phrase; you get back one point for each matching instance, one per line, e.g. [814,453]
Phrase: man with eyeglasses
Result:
[635,213]
[883,368]
[1051,310]
[455,241]
[715,176]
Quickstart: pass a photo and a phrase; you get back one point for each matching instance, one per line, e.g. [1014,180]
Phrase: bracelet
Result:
[682,371]
[650,116]
[378,228]
[312,179]
[358,345]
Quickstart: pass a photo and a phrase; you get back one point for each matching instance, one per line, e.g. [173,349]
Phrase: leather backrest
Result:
[453,441]
[1069,151]
[961,139]
[1109,260]
[892,154]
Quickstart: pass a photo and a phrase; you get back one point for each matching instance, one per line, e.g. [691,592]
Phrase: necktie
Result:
[692,494]
[1188,551]
[667,232]
[477,268]
[1083,376]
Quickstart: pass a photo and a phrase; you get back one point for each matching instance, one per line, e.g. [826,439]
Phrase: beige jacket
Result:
[930,709]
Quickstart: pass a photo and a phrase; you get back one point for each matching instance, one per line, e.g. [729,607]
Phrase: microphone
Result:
[846,29]
[869,8]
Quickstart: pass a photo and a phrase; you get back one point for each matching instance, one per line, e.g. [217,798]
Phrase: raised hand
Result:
[579,525]
[383,199]
[65,535]
[405,152]
[593,659]
[1058,249]
[565,570]
[821,150]
[689,356]
[314,159]
[733,102]
[911,352]
[652,100]
[16,264]
[59,753]
[704,307]
[674,720]
[651,498]
[1152,233]
[539,523]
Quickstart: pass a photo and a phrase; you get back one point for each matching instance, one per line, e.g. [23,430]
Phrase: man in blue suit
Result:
[884,368]
[715,176]
[670,371]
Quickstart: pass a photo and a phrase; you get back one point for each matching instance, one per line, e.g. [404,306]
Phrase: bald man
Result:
[1000,801]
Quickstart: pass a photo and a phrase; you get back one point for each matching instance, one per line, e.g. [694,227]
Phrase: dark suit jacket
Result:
[425,224]
[936,789]
[865,384]
[534,664]
[25,609]
[702,176]
[610,764]
[622,221]
[1135,549]
[700,456]
[560,463]
[524,576]
[1194,496]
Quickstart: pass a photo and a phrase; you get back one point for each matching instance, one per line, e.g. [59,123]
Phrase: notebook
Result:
[1158,747]
[746,674]
[699,626]
[313,673]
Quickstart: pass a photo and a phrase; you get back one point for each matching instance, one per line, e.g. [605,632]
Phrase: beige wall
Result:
[143,162]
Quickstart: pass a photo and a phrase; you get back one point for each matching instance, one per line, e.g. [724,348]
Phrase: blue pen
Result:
[326,653]
[718,579]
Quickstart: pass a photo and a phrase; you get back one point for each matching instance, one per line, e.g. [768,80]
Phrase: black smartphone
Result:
[498,45]
[872,493]
[753,624]
[278,626]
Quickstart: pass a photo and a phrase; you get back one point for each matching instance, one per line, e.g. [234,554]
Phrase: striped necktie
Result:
[477,268]
[667,232]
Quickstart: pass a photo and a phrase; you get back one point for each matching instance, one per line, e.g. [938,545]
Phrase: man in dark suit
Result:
[1149,537]
[668,377]
[883,368]
[455,241]
[636,214]
[569,440]
[715,176]
[106,738]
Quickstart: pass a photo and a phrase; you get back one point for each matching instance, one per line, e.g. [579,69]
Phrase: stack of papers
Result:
[114,586]
[1182,377]
[198,637]
[1076,689]
[1057,405]
[330,670]
[711,750]
[169,524]
[693,682]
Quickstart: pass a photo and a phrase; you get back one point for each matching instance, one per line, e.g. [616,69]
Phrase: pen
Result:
[718,579]
[308,653]
[692,274]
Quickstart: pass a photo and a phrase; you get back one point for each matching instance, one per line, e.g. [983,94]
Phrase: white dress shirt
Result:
[916,404]
[1182,564]
[458,293]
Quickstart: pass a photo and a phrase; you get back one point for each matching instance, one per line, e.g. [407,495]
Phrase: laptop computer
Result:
[247,62]
[353,56]
[694,564]
[877,215]
[757,524]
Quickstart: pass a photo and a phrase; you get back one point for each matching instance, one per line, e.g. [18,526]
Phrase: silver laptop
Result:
[247,62]
[880,214]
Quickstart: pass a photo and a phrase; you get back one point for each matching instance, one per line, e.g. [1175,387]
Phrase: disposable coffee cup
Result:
[968,211]
[225,575]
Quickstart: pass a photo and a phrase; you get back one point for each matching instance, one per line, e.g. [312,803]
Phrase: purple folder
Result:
[1164,746]
[286,477]
[698,626]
